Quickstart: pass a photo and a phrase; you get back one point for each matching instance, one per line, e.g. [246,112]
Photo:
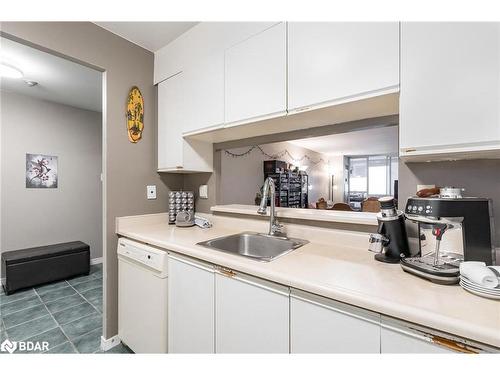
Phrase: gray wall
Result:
[72,211]
[480,178]
[128,167]
[242,177]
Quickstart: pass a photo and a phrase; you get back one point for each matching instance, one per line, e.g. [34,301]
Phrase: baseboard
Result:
[110,343]
[96,261]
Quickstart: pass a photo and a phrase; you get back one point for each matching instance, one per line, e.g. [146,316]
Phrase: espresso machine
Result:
[390,241]
[451,229]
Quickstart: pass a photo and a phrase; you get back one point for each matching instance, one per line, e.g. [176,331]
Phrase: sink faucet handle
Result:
[278,228]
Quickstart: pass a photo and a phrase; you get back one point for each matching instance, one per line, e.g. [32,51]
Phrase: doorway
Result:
[52,191]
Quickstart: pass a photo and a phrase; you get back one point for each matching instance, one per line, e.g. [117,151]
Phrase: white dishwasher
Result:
[142,297]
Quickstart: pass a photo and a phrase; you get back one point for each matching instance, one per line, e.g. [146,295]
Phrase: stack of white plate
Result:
[478,289]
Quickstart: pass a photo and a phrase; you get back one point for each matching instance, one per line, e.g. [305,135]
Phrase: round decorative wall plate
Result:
[135,114]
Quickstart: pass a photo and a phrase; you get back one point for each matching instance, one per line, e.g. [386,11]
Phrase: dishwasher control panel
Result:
[144,254]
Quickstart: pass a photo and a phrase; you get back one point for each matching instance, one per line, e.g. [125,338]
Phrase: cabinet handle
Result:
[302,109]
[410,150]
[452,345]
[179,167]
[431,338]
[226,272]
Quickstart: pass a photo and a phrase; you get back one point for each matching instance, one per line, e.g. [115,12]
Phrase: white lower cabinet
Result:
[215,310]
[396,338]
[321,325]
[190,306]
[252,315]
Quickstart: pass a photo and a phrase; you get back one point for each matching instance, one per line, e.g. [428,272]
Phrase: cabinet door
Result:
[177,103]
[252,315]
[450,84]
[256,76]
[170,122]
[399,341]
[204,87]
[320,325]
[190,306]
[330,61]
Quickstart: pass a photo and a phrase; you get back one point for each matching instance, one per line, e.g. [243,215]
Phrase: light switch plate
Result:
[151,191]
[203,192]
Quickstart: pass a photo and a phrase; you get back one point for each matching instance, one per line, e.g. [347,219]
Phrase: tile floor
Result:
[67,314]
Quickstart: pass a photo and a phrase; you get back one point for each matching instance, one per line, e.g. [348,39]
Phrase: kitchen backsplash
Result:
[480,178]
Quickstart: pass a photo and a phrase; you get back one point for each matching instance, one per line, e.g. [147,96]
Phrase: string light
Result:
[276,156]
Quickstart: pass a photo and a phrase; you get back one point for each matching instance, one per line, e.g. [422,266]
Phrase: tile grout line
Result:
[80,317]
[44,304]
[81,295]
[36,293]
[57,323]
[91,304]
[50,313]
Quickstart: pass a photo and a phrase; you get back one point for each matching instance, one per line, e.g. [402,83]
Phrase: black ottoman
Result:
[39,265]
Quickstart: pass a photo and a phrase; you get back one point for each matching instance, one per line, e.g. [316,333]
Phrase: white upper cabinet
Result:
[321,325]
[175,114]
[255,76]
[204,87]
[170,122]
[450,87]
[252,315]
[337,61]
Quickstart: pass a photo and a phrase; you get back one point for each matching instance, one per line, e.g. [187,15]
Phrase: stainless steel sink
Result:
[254,245]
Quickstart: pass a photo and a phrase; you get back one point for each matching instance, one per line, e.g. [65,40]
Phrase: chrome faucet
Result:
[275,228]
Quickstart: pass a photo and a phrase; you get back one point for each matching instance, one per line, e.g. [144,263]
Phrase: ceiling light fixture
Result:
[30,83]
[9,71]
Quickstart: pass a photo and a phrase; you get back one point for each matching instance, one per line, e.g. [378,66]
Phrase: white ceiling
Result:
[59,80]
[149,35]
[363,142]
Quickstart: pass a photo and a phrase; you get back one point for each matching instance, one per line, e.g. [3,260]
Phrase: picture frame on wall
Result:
[41,171]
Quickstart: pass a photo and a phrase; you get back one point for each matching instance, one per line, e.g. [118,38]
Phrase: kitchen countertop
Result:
[335,264]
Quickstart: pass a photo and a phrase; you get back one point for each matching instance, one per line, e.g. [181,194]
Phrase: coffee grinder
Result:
[390,241]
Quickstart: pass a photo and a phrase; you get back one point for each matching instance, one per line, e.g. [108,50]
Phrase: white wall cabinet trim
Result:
[347,99]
